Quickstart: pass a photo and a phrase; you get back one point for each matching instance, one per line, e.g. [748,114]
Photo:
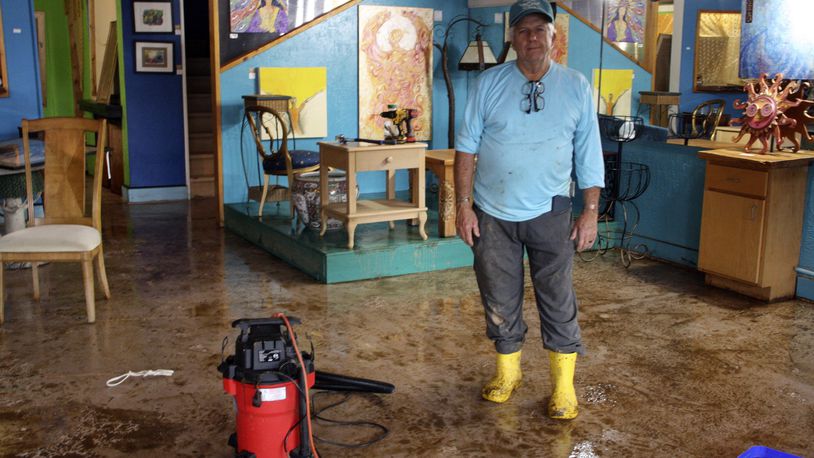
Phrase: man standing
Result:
[530,122]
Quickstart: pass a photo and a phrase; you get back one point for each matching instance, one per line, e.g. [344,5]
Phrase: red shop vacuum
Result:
[270,380]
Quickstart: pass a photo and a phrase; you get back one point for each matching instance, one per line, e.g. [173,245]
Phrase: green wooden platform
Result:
[378,251]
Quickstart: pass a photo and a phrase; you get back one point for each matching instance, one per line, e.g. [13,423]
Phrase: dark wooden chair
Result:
[277,160]
[700,123]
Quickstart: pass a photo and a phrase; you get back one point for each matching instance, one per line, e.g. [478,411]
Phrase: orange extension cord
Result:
[305,375]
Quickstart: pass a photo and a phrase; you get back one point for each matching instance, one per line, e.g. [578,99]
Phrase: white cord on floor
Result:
[149,373]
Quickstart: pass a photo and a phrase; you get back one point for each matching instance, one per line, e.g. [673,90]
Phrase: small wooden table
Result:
[441,162]
[360,157]
[659,103]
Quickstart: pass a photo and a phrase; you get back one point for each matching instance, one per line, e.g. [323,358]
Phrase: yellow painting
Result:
[617,86]
[308,89]
[395,67]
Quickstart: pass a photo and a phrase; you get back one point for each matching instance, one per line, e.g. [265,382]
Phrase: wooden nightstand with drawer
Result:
[356,157]
[752,221]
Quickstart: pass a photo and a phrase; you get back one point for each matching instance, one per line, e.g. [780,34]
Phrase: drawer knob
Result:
[388,160]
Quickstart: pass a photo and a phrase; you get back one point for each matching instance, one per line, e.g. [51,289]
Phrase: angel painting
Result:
[625,21]
[395,66]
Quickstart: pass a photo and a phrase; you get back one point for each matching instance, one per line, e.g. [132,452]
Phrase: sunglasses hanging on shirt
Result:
[532,97]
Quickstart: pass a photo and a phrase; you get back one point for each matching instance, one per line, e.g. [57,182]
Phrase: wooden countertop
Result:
[756,160]
[361,146]
[705,143]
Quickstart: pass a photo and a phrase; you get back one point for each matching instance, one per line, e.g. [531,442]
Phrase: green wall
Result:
[59,92]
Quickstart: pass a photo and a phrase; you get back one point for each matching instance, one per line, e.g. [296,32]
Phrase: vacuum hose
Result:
[335,382]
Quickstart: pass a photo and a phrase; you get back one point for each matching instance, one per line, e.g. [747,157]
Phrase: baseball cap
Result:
[523,8]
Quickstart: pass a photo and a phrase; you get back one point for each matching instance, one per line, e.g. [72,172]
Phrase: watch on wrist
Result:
[463,199]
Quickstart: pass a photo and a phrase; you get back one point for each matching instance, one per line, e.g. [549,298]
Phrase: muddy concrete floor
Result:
[673,368]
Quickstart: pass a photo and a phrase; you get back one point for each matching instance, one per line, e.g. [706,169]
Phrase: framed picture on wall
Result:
[152,17]
[154,57]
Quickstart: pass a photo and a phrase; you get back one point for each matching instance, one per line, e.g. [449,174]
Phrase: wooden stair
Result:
[199,120]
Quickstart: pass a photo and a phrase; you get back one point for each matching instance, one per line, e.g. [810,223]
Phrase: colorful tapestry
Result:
[776,37]
[560,53]
[307,87]
[275,16]
[617,87]
[395,66]
[625,21]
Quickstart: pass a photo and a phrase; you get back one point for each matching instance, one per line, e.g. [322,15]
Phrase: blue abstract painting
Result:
[776,37]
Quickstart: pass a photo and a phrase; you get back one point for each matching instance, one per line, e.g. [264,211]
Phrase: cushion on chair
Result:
[300,159]
[53,237]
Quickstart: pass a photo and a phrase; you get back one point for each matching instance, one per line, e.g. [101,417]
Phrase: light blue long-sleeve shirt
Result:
[525,159]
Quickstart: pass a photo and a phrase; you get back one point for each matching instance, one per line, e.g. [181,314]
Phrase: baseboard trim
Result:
[805,284]
[156,194]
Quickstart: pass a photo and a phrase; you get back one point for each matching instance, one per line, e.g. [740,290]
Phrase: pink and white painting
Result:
[395,66]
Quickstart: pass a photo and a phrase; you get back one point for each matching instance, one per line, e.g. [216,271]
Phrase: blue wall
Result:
[690,99]
[153,112]
[805,278]
[670,209]
[24,100]
[331,44]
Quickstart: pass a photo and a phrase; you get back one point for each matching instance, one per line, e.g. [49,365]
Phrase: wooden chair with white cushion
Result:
[67,232]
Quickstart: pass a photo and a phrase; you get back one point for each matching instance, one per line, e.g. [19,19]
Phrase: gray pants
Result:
[499,270]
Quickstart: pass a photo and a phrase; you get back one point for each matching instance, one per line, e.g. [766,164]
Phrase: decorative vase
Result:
[305,194]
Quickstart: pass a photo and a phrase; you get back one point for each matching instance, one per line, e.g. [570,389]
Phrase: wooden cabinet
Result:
[752,221]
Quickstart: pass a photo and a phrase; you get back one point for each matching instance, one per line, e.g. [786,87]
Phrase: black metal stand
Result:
[686,126]
[624,182]
[620,129]
[633,179]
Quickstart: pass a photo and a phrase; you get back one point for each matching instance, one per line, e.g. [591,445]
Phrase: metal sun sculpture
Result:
[799,114]
[764,111]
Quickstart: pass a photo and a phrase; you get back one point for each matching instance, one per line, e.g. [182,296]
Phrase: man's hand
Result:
[584,231]
[466,223]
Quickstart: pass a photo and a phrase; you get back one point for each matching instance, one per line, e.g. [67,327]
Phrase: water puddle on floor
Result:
[89,431]
[598,394]
[583,450]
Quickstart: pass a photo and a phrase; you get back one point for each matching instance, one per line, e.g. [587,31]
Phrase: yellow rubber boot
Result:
[506,380]
[563,403]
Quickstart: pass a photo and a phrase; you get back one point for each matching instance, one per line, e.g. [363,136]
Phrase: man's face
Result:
[533,38]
